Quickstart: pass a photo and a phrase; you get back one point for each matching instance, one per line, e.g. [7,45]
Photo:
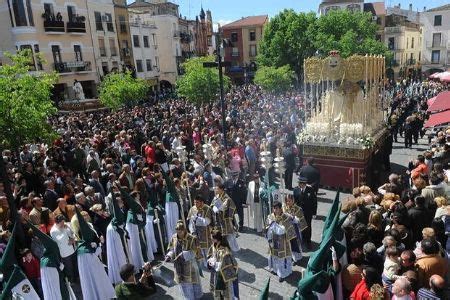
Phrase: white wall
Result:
[427,20]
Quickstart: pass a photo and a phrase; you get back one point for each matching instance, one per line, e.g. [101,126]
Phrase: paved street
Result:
[252,258]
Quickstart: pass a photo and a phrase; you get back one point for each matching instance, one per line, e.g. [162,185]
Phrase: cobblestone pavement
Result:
[252,258]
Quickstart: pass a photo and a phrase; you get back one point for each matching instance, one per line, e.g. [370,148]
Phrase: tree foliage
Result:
[346,31]
[118,89]
[291,37]
[285,40]
[274,79]
[200,85]
[25,102]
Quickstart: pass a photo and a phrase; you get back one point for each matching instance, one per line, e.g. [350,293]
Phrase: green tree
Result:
[200,85]
[25,102]
[274,79]
[346,31]
[118,89]
[285,41]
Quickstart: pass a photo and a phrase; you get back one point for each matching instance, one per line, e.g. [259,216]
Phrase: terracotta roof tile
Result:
[247,21]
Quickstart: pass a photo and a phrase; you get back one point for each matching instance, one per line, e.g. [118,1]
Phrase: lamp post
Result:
[280,167]
[182,155]
[220,64]
[266,161]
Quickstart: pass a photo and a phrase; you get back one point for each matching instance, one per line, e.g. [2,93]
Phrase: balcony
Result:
[411,62]
[102,51]
[436,44]
[54,26]
[73,66]
[394,30]
[176,34]
[235,54]
[76,27]
[397,47]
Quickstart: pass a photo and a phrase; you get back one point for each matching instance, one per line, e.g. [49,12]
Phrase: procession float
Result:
[345,112]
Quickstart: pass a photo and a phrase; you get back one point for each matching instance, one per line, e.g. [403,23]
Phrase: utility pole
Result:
[220,64]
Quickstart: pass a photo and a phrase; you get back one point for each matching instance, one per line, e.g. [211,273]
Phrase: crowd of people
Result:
[114,189]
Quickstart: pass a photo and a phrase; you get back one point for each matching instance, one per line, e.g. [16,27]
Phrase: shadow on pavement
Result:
[274,296]
[252,257]
[294,278]
[245,276]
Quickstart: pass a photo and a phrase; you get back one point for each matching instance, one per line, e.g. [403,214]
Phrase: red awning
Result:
[442,102]
[431,101]
[438,119]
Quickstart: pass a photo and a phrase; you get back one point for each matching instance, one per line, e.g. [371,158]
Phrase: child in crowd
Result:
[391,266]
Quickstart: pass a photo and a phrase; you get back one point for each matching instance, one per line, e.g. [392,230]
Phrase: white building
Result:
[353,5]
[436,39]
[145,45]
[104,37]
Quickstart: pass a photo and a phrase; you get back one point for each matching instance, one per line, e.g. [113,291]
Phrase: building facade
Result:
[244,35]
[57,30]
[404,39]
[104,37]
[378,11]
[145,45]
[328,5]
[165,16]
[436,43]
[123,34]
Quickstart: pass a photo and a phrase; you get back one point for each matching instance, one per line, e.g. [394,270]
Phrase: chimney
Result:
[410,7]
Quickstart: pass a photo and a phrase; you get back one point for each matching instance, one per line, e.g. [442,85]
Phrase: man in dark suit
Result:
[305,197]
[95,183]
[237,190]
[311,173]
[50,196]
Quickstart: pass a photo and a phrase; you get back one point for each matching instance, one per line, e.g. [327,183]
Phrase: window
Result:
[252,36]
[31,65]
[234,51]
[155,44]
[71,14]
[19,13]
[234,37]
[101,46]
[30,13]
[412,43]
[98,21]
[105,68]
[436,39]
[38,59]
[77,50]
[136,41]
[331,8]
[438,20]
[435,56]
[253,50]
[146,44]
[56,54]
[407,43]
[391,43]
[157,62]
[109,23]
[139,66]
[148,62]
[122,24]
[112,47]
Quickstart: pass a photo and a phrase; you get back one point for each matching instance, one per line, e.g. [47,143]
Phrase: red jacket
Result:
[31,268]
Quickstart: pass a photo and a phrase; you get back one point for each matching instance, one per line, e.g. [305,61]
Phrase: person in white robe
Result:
[254,203]
[117,250]
[279,231]
[135,227]
[95,283]
[171,205]
[55,285]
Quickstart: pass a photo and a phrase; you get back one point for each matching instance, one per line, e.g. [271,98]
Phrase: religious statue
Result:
[78,90]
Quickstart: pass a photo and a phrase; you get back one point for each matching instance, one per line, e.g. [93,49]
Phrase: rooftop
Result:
[439,8]
[340,1]
[248,21]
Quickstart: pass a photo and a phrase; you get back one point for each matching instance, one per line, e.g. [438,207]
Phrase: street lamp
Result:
[182,156]
[220,64]
[266,161]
